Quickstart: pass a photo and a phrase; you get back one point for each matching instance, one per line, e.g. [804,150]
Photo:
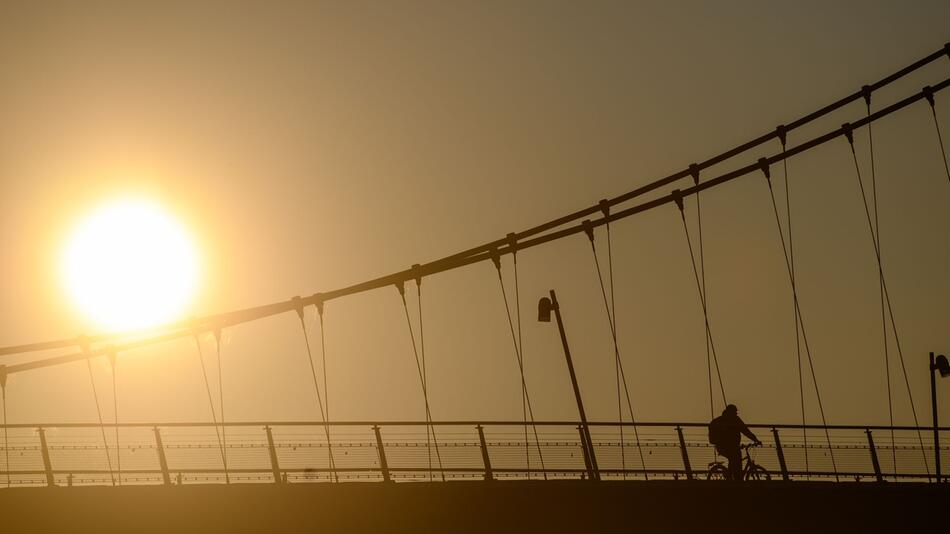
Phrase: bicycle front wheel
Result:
[757,472]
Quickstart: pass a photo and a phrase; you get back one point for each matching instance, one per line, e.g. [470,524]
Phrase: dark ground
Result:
[555,506]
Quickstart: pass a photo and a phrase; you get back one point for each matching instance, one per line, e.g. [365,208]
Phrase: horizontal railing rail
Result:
[458,422]
[70,454]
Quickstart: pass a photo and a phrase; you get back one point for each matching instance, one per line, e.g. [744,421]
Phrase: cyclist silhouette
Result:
[724,433]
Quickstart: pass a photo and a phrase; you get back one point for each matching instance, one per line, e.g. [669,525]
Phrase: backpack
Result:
[717,428]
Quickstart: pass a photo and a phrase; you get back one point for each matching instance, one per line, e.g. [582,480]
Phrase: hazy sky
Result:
[313,145]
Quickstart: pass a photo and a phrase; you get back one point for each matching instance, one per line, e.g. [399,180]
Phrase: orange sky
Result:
[310,146]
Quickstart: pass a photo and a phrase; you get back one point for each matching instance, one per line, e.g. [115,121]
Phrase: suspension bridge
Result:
[220,450]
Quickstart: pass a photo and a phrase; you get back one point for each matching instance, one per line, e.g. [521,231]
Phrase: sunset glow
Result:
[130,265]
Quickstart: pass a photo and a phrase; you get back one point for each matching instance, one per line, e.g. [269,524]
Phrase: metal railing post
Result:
[593,454]
[781,455]
[47,464]
[584,449]
[162,461]
[489,475]
[874,462]
[689,470]
[272,450]
[383,464]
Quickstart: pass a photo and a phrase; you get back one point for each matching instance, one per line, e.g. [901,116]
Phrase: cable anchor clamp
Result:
[678,198]
[604,205]
[929,95]
[83,342]
[401,287]
[318,302]
[417,273]
[848,132]
[782,131]
[694,172]
[866,93]
[298,306]
[495,258]
[195,331]
[512,241]
[764,167]
[588,229]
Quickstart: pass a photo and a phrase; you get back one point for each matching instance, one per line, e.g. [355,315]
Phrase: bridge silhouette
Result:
[221,450]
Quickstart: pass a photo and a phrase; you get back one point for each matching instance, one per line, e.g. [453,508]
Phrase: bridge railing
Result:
[294,452]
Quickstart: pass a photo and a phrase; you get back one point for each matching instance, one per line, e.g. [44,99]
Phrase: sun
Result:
[130,265]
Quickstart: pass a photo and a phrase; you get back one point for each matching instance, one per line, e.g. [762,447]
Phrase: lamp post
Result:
[545,307]
[937,364]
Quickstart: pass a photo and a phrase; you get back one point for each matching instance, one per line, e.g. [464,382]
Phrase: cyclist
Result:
[724,433]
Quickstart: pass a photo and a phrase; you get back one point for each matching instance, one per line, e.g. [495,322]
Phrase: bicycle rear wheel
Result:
[717,472]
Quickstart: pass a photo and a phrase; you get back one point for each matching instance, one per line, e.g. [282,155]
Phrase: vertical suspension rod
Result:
[525,396]
[214,418]
[849,135]
[764,166]
[316,387]
[877,238]
[430,428]
[929,95]
[102,428]
[618,362]
[678,199]
[115,414]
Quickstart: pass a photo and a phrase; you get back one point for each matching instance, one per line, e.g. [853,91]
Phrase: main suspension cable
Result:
[929,95]
[849,135]
[451,261]
[430,432]
[457,261]
[324,414]
[678,198]
[214,419]
[618,362]
[525,396]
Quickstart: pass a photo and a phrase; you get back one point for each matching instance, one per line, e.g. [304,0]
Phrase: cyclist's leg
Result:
[735,462]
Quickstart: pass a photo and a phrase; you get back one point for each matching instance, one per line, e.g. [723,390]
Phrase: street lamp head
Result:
[941,364]
[544,310]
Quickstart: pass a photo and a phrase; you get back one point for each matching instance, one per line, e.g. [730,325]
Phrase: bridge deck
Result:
[522,506]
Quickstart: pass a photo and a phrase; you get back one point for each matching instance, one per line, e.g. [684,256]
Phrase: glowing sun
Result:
[130,265]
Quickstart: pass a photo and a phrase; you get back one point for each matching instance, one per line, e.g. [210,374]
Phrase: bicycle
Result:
[750,469]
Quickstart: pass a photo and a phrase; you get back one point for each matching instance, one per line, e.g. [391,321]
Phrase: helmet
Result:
[730,409]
